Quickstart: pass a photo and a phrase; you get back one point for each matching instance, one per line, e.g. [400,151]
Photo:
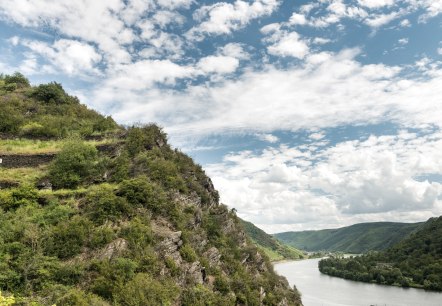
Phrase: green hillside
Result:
[92,213]
[271,246]
[356,239]
[416,261]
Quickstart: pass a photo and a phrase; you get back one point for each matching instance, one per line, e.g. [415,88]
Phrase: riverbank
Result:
[318,289]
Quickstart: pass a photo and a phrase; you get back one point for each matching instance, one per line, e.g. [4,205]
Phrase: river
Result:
[318,289]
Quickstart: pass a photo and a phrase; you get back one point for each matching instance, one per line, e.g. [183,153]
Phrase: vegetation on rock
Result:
[274,249]
[136,224]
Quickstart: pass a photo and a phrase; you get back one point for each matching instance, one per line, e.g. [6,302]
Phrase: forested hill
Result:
[270,245]
[92,213]
[416,261]
[357,238]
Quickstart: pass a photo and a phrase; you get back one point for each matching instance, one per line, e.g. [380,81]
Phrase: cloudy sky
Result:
[306,114]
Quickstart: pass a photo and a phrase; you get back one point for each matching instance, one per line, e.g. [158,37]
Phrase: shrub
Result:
[51,93]
[138,234]
[101,204]
[73,165]
[68,238]
[145,290]
[144,138]
[140,191]
[18,79]
[188,253]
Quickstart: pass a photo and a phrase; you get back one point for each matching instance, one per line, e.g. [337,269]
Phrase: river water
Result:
[318,289]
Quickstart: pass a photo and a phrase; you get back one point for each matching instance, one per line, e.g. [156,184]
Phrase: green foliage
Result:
[21,196]
[144,138]
[138,233]
[69,237]
[145,290]
[141,191]
[188,253]
[273,248]
[52,93]
[46,111]
[6,300]
[160,170]
[102,204]
[17,78]
[105,242]
[414,262]
[356,239]
[73,165]
[202,296]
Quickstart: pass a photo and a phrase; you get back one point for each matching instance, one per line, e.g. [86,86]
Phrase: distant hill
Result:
[357,238]
[270,245]
[416,261]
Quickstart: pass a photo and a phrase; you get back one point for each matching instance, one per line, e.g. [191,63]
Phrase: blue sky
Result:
[306,114]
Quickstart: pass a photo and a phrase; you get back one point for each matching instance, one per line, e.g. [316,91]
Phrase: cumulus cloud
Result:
[288,44]
[223,18]
[70,56]
[218,64]
[352,181]
[375,3]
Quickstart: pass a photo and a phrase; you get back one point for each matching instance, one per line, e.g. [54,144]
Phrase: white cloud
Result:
[223,18]
[317,136]
[218,64]
[297,19]
[321,40]
[403,41]
[433,8]
[381,19]
[352,181]
[173,4]
[69,56]
[405,23]
[267,137]
[439,50]
[144,74]
[313,95]
[375,3]
[235,50]
[288,44]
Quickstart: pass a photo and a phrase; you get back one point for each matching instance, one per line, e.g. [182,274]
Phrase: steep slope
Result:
[271,246]
[357,238]
[416,261]
[125,221]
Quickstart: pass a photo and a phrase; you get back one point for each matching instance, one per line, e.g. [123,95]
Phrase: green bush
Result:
[144,138]
[188,253]
[138,233]
[51,93]
[69,237]
[18,79]
[141,191]
[145,290]
[101,204]
[73,165]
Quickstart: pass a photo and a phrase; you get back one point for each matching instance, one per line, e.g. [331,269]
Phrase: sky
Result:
[305,114]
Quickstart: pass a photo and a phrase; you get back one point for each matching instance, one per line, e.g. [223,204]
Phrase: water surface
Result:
[318,289]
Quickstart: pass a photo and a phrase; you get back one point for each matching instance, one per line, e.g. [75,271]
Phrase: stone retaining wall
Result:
[25,161]
[35,160]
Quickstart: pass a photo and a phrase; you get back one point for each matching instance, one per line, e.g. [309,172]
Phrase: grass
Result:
[22,175]
[32,146]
